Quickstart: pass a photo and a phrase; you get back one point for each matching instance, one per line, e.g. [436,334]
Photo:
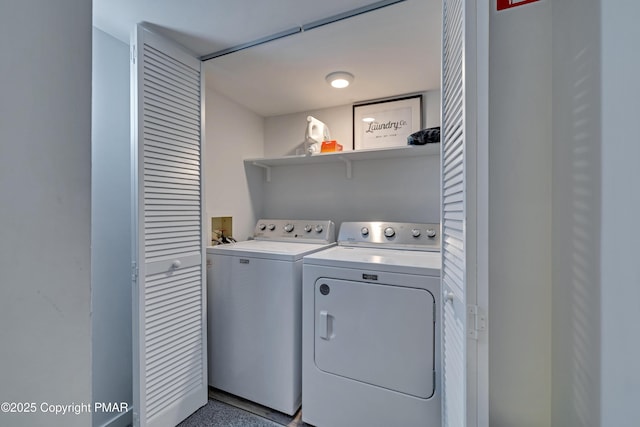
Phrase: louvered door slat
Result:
[157,180]
[155,77]
[168,118]
[170,381]
[162,106]
[154,162]
[156,149]
[173,70]
[177,328]
[455,409]
[172,142]
[159,99]
[157,124]
[453,183]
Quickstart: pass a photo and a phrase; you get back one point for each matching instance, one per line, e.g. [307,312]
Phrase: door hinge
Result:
[476,321]
[134,272]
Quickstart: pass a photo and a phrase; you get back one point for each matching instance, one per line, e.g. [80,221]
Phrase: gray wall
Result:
[576,213]
[520,156]
[111,228]
[620,269]
[596,274]
[45,213]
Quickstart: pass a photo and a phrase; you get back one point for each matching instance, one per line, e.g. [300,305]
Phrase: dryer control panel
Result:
[304,231]
[392,235]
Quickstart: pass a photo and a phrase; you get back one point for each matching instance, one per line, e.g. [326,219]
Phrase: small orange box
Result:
[330,146]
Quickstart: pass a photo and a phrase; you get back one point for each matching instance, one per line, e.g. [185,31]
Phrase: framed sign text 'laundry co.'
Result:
[387,123]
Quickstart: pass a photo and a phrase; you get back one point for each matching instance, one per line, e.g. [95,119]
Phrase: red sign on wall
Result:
[507,4]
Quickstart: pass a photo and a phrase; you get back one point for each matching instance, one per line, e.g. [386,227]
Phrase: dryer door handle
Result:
[323,325]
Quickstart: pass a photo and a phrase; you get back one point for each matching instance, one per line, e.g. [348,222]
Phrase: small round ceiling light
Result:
[339,79]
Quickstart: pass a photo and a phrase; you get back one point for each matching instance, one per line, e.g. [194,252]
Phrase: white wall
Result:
[111,228]
[404,189]
[232,134]
[576,213]
[620,269]
[45,188]
[285,134]
[520,155]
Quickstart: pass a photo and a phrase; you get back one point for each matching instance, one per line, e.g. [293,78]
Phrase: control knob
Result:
[262,226]
[431,233]
[389,232]
[364,231]
[415,232]
[288,228]
[307,228]
[319,228]
[271,227]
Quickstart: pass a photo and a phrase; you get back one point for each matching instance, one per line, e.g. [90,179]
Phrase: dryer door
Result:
[377,334]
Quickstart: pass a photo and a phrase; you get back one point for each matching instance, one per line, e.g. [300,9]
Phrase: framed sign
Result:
[508,4]
[386,123]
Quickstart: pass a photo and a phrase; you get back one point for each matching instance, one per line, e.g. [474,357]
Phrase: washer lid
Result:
[284,251]
[387,260]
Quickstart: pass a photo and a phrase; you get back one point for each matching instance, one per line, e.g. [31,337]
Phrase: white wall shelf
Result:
[347,157]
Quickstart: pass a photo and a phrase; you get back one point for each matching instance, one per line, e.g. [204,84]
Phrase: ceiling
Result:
[391,51]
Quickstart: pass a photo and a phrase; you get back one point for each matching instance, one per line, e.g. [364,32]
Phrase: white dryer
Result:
[255,308]
[371,335]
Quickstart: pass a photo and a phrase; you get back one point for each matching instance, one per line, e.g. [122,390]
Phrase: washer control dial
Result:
[364,231]
[307,228]
[319,228]
[415,232]
[262,227]
[271,227]
[431,233]
[288,228]
[389,232]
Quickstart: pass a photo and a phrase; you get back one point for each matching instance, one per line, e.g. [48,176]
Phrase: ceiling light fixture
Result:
[339,79]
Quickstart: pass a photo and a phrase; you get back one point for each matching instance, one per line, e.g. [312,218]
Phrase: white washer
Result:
[255,308]
[371,335]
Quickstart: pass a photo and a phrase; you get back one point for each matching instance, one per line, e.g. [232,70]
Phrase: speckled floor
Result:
[218,414]
[226,410]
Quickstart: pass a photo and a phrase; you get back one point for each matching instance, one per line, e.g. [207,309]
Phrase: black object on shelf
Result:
[424,136]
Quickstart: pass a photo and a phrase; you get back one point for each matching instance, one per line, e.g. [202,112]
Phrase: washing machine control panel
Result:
[304,231]
[398,235]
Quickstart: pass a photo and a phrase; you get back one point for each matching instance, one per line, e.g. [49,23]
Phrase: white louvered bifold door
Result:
[453,191]
[169,310]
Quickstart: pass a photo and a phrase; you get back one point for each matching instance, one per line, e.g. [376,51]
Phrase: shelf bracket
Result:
[267,170]
[347,163]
